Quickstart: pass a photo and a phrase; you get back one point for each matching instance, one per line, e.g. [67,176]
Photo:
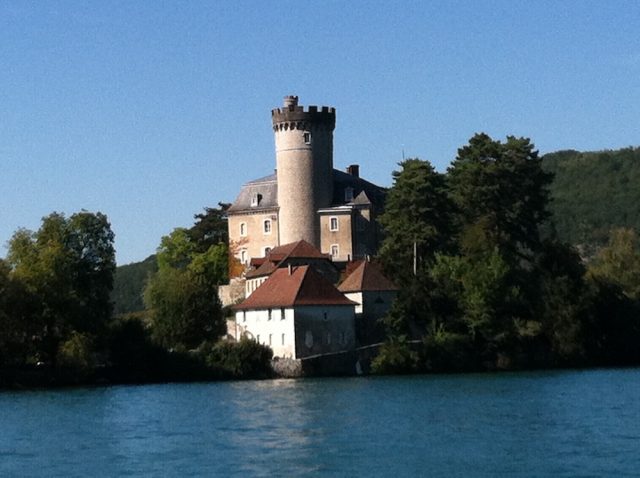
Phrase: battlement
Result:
[291,112]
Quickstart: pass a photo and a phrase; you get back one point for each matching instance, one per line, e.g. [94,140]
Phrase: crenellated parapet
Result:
[292,116]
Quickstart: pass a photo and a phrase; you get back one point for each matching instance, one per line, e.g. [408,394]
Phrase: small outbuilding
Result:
[374,293]
[298,313]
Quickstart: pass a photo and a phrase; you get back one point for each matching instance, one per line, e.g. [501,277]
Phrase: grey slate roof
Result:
[266,187]
[364,192]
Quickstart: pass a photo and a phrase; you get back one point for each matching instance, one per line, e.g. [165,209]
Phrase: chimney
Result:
[354,170]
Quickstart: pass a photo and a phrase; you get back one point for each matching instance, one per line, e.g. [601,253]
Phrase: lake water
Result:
[564,423]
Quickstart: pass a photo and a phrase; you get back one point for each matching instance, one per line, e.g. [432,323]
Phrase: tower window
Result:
[267,226]
[307,137]
[335,251]
[333,224]
[243,228]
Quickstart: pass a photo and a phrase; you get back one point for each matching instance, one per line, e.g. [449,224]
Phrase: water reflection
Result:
[535,424]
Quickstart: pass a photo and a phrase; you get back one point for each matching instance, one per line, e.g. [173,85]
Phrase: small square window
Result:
[333,224]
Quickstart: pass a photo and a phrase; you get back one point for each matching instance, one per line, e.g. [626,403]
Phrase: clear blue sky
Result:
[149,111]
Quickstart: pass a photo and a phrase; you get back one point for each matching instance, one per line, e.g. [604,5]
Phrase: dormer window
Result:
[348,194]
[307,137]
[255,199]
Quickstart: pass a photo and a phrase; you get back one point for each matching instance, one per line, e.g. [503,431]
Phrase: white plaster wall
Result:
[356,297]
[257,326]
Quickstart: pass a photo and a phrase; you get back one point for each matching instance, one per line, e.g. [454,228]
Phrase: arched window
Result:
[243,229]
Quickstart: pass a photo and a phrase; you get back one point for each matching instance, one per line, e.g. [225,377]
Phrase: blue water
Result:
[517,424]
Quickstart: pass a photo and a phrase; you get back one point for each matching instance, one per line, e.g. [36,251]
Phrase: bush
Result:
[244,359]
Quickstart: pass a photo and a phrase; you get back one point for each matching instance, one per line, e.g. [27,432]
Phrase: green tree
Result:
[67,268]
[417,217]
[210,228]
[185,310]
[619,262]
[501,188]
[182,296]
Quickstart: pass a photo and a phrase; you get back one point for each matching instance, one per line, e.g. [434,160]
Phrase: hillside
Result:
[594,192]
[128,285]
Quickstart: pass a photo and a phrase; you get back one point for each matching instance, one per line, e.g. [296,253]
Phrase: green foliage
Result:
[395,357]
[244,359]
[66,267]
[447,351]
[502,188]
[210,228]
[593,193]
[418,213]
[619,262]
[182,296]
[76,356]
[184,307]
[128,285]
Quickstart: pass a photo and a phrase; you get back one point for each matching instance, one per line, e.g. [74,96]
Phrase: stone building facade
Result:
[306,198]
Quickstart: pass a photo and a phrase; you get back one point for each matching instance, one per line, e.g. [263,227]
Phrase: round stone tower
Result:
[304,162]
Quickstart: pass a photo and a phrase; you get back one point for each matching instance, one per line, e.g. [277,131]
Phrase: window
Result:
[307,137]
[282,314]
[255,199]
[267,226]
[308,339]
[258,338]
[243,228]
[348,194]
[266,251]
[335,251]
[333,224]
[325,316]
[269,315]
[282,339]
[270,339]
[244,315]
[244,256]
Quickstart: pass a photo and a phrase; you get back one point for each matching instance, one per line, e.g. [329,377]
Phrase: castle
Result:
[306,198]
[294,232]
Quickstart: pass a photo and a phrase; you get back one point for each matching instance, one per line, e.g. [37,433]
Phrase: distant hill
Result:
[594,192]
[128,285]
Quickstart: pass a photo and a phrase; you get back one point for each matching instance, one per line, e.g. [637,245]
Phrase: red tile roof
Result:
[298,285]
[298,250]
[367,276]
